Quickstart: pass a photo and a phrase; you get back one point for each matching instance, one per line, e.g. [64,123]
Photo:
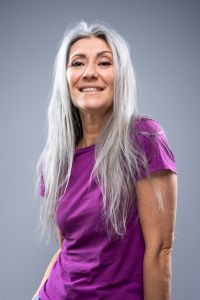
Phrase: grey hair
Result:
[117,160]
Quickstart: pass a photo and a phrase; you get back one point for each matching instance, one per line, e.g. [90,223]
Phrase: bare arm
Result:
[158,230]
[51,264]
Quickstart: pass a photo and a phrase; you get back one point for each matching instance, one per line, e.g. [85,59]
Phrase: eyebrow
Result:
[83,55]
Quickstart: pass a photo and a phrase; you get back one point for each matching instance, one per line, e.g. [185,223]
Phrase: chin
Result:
[93,108]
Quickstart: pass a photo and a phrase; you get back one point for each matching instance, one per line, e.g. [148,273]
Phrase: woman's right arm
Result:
[51,264]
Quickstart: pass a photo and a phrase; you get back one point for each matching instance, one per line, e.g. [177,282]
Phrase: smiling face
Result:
[90,75]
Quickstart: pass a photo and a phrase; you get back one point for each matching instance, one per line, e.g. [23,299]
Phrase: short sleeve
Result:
[152,141]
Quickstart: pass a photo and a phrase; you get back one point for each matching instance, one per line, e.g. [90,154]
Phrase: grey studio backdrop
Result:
[164,41]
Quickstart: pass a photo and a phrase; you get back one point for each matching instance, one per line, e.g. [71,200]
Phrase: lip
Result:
[91,86]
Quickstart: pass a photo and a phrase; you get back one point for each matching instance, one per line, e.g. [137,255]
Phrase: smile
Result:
[91,89]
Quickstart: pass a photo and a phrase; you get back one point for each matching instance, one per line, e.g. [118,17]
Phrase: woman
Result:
[108,178]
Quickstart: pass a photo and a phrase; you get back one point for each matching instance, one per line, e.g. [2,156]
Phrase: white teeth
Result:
[90,89]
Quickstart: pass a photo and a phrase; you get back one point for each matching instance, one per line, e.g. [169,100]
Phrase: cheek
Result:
[110,79]
[71,79]
[111,84]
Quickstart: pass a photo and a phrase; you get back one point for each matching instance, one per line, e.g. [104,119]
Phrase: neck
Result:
[92,126]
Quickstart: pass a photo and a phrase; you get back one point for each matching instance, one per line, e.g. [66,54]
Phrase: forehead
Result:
[91,45]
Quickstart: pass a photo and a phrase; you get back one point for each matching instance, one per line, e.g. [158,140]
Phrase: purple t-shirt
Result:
[90,266]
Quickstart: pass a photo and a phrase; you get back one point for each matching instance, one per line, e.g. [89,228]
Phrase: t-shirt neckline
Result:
[84,149]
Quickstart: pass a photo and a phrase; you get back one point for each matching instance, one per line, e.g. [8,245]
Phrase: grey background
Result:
[165,45]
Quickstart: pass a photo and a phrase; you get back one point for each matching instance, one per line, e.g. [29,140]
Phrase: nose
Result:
[90,72]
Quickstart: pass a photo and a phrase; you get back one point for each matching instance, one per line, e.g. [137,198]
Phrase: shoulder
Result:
[146,125]
[150,138]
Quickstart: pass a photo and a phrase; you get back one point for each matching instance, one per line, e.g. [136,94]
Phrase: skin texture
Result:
[158,231]
[94,67]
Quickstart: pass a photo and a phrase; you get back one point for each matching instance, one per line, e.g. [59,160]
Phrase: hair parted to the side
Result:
[117,160]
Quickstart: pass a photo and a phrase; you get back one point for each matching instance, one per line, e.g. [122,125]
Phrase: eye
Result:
[105,63]
[76,64]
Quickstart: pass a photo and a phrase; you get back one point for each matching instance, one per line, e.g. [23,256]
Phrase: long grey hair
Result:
[117,160]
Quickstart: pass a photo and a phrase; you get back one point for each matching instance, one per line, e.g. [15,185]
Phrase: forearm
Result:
[157,276]
[48,271]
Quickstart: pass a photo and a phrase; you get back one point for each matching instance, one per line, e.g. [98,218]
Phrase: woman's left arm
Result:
[158,231]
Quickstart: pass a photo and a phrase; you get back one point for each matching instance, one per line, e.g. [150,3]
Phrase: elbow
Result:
[159,263]
[160,254]
[166,248]
[165,262]
[161,248]
[165,255]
